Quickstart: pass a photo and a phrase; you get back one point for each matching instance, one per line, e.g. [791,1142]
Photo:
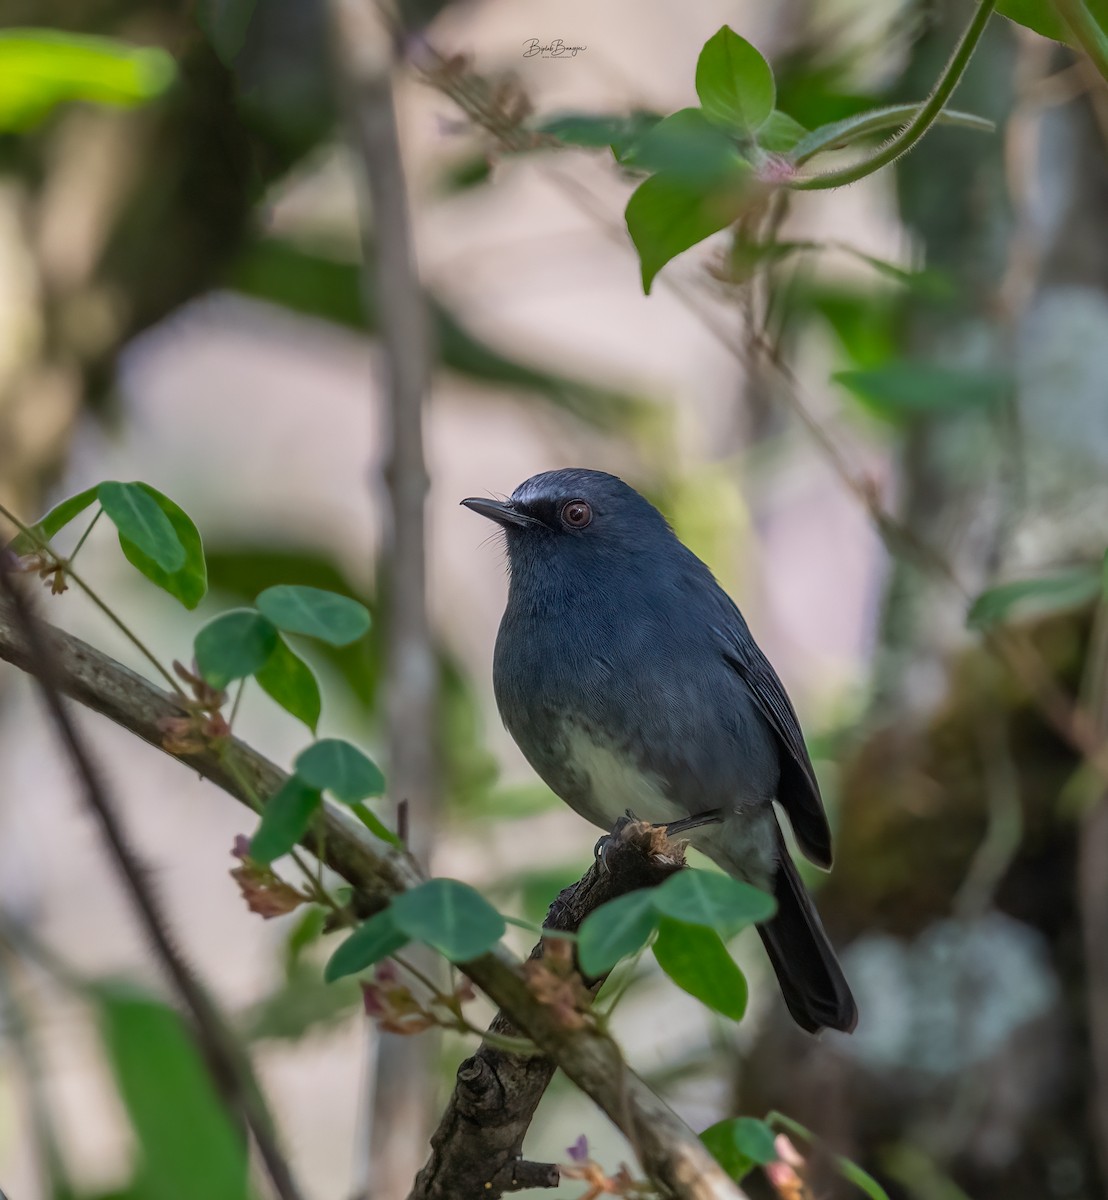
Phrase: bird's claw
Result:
[605,845]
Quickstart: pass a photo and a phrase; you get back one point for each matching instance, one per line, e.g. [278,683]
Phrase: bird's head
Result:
[574,517]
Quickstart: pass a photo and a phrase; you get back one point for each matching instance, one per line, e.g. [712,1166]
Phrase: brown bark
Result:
[478,1146]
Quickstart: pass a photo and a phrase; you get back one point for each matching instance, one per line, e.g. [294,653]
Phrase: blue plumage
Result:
[629,679]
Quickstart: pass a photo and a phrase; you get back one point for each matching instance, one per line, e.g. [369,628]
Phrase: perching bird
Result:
[630,681]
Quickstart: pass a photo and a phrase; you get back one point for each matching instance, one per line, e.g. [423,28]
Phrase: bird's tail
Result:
[812,982]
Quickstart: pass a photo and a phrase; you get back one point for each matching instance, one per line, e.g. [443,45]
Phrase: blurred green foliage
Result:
[42,68]
[188,1148]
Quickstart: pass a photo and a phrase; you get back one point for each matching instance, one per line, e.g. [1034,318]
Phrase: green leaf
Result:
[331,618]
[290,681]
[340,768]
[303,1004]
[665,216]
[875,121]
[1039,15]
[780,133]
[451,917]
[1050,594]
[696,960]
[862,1180]
[596,130]
[233,646]
[687,147]
[375,825]
[719,1141]
[189,1149]
[740,1144]
[137,516]
[242,570]
[906,389]
[57,518]
[734,82]
[713,900]
[378,938]
[286,817]
[306,930]
[189,582]
[614,930]
[42,68]
[755,1139]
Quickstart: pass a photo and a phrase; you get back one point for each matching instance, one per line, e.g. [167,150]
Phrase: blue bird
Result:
[630,680]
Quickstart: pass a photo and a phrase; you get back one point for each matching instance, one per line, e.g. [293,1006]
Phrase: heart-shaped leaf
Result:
[713,900]
[740,1144]
[452,917]
[615,930]
[340,768]
[372,941]
[331,618]
[234,645]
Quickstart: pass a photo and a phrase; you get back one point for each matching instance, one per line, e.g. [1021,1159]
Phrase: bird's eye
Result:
[576,514]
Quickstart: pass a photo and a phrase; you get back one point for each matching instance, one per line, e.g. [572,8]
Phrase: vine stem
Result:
[1087,30]
[84,537]
[903,141]
[41,543]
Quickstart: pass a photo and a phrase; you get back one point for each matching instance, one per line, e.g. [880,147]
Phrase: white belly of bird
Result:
[744,844]
[616,784]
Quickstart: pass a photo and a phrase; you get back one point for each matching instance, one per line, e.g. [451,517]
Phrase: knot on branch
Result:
[478,1090]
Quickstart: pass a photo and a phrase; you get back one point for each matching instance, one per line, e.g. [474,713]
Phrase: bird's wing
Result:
[797,790]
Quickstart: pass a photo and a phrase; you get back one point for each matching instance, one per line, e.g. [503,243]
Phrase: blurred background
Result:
[180,303]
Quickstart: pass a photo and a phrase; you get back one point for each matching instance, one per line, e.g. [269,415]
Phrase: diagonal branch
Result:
[671,1154]
[399,1109]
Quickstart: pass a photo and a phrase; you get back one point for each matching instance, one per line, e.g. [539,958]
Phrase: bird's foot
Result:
[605,845]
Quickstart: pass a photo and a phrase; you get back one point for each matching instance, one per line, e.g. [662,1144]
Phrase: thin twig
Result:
[21,1035]
[84,536]
[364,54]
[1092,886]
[219,1048]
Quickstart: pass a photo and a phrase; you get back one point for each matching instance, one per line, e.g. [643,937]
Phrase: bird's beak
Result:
[502,514]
